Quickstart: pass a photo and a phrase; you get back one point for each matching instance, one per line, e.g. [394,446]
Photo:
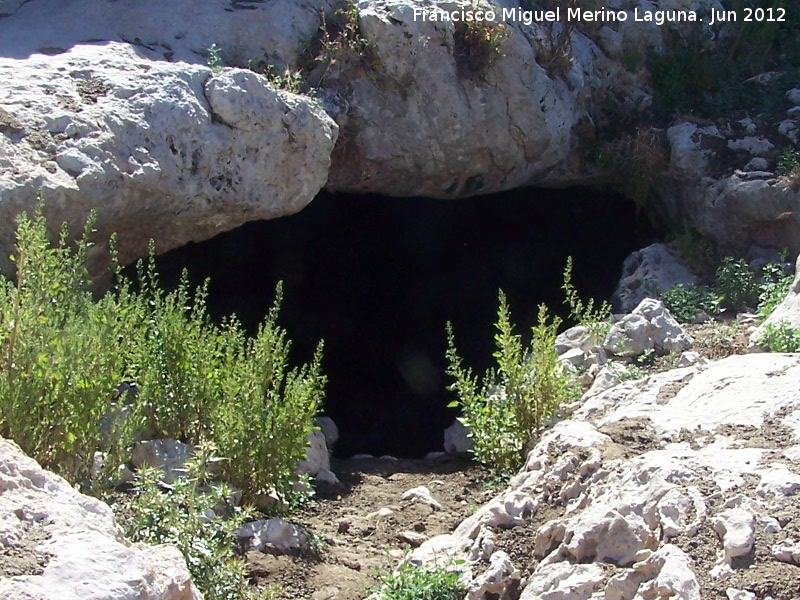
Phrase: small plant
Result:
[199,523]
[685,302]
[781,337]
[215,62]
[477,44]
[517,400]
[788,167]
[596,319]
[291,81]
[419,583]
[775,285]
[737,284]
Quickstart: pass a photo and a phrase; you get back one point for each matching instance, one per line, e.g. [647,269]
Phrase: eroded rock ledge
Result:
[683,484]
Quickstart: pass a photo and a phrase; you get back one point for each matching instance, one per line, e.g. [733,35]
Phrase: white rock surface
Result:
[787,551]
[160,150]
[604,495]
[649,327]
[87,555]
[646,273]
[564,581]
[317,456]
[736,528]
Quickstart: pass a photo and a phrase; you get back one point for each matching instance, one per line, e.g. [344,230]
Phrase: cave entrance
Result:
[377,278]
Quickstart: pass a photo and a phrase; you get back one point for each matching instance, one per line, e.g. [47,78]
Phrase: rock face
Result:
[136,127]
[59,544]
[646,273]
[670,486]
[158,150]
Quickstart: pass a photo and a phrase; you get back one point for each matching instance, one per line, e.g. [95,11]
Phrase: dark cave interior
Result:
[377,278]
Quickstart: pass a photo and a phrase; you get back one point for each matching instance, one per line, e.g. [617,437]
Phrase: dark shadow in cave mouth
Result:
[377,278]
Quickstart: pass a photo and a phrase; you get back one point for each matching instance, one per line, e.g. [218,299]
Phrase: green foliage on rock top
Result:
[64,356]
[518,398]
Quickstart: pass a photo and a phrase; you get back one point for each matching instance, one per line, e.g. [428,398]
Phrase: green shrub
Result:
[781,337]
[517,399]
[775,285]
[418,583]
[199,523]
[737,284]
[476,45]
[685,302]
[63,357]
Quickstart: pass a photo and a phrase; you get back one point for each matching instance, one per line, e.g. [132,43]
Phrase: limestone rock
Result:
[83,549]
[317,456]
[423,495]
[736,528]
[457,441]
[649,327]
[160,150]
[500,579]
[787,551]
[603,493]
[646,273]
[564,581]
[329,430]
[166,454]
[273,535]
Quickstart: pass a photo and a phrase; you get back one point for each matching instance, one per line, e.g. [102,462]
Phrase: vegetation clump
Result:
[518,398]
[415,583]
[198,519]
[64,358]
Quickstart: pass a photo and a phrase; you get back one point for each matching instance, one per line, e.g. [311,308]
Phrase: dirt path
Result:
[362,527]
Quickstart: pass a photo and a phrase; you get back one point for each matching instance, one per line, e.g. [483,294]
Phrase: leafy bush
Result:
[415,583]
[737,284]
[685,302]
[63,357]
[781,337]
[516,400]
[196,518]
[775,285]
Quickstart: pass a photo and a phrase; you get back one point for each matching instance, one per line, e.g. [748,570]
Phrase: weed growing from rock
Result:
[477,44]
[781,337]
[516,400]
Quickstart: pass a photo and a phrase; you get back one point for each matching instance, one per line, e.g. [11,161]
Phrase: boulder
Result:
[647,273]
[168,151]
[649,327]
[73,547]
[166,454]
[271,535]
